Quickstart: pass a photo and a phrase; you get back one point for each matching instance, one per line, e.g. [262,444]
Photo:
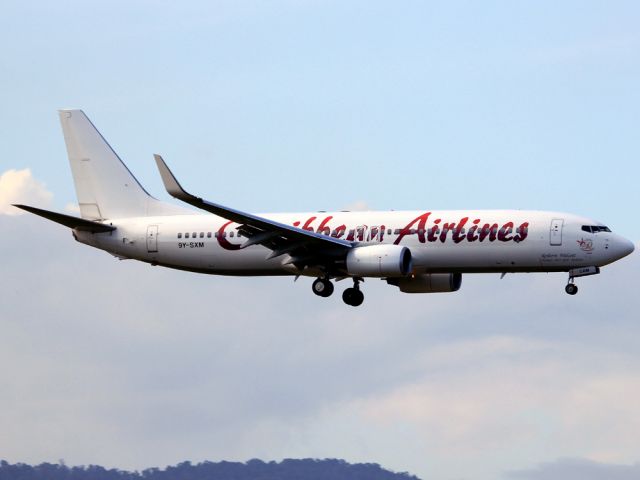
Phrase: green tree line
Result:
[289,469]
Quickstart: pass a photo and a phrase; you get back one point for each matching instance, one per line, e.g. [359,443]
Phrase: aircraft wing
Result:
[68,220]
[305,247]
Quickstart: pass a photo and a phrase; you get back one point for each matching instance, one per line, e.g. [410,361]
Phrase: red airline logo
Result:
[474,230]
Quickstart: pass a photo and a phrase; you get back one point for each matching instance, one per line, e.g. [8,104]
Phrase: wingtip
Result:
[162,165]
[171,184]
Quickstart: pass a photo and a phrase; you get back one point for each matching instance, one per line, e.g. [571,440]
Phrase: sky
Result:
[320,105]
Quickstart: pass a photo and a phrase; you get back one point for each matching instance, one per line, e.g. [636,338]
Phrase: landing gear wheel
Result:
[322,287]
[353,297]
[571,288]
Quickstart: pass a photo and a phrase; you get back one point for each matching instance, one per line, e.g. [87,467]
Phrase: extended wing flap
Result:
[68,220]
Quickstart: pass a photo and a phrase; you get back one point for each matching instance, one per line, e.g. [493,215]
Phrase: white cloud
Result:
[496,403]
[584,402]
[19,186]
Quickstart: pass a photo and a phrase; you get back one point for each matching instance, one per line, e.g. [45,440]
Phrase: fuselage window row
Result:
[202,234]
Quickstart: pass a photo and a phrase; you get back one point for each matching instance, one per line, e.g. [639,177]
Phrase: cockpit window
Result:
[595,228]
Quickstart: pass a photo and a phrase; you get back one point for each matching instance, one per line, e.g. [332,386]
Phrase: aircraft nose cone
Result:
[624,247]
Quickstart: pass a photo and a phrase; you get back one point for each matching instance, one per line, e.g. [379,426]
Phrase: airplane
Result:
[424,251]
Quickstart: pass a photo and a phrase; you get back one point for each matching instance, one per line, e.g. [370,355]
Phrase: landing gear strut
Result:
[353,296]
[322,287]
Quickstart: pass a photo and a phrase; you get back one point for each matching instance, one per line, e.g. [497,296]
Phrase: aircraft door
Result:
[152,238]
[555,233]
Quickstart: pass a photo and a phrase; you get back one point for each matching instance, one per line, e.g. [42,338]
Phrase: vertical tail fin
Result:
[104,185]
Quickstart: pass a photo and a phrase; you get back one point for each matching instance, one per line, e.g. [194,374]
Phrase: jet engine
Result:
[428,283]
[379,261]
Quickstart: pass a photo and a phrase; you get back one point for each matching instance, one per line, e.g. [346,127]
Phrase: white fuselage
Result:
[440,241]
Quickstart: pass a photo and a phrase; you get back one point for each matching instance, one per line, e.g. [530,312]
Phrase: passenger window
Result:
[180,235]
[389,231]
[186,235]
[231,234]
[201,234]
[397,232]
[208,234]
[195,235]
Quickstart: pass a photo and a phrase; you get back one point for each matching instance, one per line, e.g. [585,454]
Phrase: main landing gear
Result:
[351,296]
[322,287]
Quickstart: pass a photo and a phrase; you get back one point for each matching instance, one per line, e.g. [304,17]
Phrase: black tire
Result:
[357,298]
[328,288]
[353,297]
[571,289]
[346,295]
[322,287]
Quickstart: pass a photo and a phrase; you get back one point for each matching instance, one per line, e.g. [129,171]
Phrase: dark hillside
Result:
[307,469]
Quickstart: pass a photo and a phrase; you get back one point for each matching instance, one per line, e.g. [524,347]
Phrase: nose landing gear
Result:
[571,287]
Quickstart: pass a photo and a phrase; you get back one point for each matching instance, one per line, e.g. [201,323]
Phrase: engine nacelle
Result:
[379,261]
[428,283]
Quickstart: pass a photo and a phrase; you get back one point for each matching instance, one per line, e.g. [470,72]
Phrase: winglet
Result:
[170,183]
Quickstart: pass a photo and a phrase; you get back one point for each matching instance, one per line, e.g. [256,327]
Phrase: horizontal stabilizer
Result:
[68,220]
